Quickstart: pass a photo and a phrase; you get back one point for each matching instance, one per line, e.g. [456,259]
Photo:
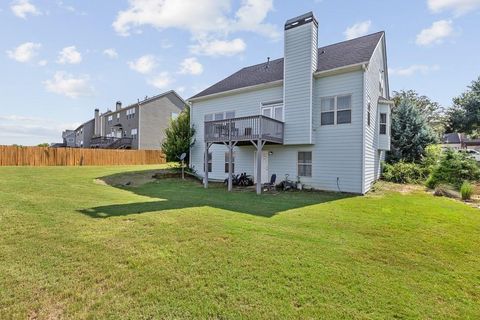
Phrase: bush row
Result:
[435,168]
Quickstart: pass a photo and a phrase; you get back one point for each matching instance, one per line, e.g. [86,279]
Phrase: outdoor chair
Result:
[270,185]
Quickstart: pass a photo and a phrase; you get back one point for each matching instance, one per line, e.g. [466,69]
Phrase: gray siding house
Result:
[321,115]
[137,126]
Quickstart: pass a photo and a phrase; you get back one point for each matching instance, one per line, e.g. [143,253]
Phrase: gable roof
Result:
[148,100]
[452,138]
[342,54]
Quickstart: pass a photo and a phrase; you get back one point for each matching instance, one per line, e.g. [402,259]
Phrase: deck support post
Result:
[230,147]
[259,146]
[205,178]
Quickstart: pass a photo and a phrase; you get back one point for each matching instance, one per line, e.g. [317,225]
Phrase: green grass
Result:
[72,248]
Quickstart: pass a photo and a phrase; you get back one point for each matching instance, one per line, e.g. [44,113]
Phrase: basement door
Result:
[265,178]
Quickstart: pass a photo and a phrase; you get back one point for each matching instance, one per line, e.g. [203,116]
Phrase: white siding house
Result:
[320,114]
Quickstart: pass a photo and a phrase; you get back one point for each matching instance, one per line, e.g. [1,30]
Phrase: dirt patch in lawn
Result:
[139,178]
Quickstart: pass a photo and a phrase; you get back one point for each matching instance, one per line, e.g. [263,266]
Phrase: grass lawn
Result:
[73,248]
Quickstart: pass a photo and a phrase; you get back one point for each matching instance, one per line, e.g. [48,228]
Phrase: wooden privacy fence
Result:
[45,156]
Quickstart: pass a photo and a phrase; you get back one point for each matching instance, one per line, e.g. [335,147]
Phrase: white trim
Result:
[364,128]
[266,85]
[139,132]
[348,68]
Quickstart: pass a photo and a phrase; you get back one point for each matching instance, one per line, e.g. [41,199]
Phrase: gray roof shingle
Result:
[333,56]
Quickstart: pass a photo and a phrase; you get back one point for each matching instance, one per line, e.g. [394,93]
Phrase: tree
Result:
[464,116]
[410,133]
[433,113]
[178,137]
[43,145]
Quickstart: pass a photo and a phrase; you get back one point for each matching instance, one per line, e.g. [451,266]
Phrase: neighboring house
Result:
[138,126]
[68,137]
[452,140]
[322,114]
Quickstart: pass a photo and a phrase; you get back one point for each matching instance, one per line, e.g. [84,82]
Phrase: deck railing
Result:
[111,143]
[244,129]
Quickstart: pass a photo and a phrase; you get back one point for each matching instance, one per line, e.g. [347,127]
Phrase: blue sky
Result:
[61,59]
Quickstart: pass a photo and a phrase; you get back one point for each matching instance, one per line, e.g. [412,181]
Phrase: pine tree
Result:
[410,133]
[178,137]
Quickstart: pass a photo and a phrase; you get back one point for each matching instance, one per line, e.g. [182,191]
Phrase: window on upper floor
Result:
[110,118]
[274,111]
[383,123]
[304,162]
[130,113]
[369,111]
[174,115]
[381,83]
[337,109]
[219,116]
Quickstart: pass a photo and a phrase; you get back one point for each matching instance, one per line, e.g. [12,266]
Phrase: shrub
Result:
[466,190]
[404,172]
[432,157]
[454,168]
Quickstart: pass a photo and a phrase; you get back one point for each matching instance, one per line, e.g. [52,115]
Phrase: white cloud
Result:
[69,55]
[31,130]
[205,20]
[69,85]
[436,33]
[24,52]
[42,63]
[111,53]
[358,30]
[459,7]
[191,66]
[161,81]
[22,8]
[180,89]
[413,69]
[219,47]
[145,64]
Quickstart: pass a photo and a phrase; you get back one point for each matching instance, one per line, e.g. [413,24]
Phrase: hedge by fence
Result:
[45,156]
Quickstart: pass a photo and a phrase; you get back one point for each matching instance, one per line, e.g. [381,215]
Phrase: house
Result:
[140,125]
[68,137]
[319,114]
[452,140]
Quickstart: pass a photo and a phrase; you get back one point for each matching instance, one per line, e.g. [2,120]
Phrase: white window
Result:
[174,115]
[369,111]
[383,123]
[130,113]
[304,164]
[327,106]
[336,109]
[219,116]
[110,118]
[381,83]
[134,133]
[227,156]
[274,111]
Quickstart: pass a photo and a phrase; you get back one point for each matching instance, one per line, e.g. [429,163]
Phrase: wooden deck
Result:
[243,130]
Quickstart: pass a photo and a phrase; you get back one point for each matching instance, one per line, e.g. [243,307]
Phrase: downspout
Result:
[364,68]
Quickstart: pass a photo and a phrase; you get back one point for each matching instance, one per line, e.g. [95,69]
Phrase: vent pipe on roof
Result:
[268,63]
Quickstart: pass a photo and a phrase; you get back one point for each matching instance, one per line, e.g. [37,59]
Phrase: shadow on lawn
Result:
[177,194]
